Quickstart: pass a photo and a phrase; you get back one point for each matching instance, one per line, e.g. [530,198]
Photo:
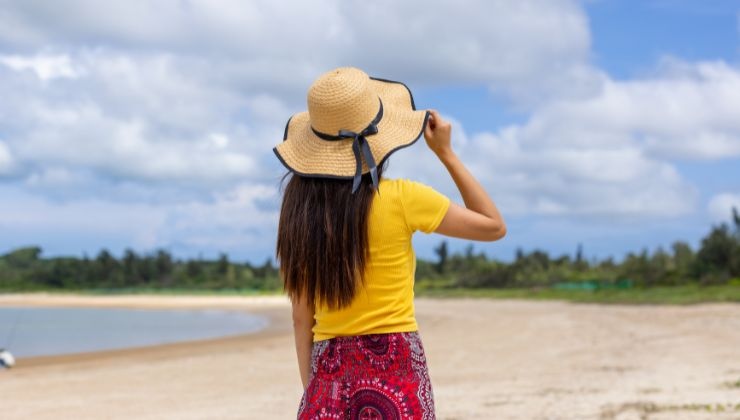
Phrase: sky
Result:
[614,124]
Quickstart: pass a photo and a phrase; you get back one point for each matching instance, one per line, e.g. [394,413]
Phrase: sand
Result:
[488,359]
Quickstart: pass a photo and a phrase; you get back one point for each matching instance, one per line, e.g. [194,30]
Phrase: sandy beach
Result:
[488,359]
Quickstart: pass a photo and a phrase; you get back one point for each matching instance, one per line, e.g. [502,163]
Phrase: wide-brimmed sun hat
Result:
[353,123]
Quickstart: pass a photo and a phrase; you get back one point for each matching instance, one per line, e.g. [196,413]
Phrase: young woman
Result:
[344,244]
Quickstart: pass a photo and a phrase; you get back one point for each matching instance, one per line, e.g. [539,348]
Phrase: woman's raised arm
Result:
[479,220]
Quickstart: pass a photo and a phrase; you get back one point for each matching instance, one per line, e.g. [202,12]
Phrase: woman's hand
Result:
[437,134]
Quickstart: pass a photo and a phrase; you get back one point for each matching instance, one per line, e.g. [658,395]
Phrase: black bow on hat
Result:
[360,147]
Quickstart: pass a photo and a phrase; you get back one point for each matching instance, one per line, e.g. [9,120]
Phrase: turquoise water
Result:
[60,330]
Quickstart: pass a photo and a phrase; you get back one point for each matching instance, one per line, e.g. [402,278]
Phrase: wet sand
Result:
[488,359]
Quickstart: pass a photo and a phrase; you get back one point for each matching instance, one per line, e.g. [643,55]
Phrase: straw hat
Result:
[353,123]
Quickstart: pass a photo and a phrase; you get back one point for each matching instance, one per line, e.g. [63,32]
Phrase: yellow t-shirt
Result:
[386,302]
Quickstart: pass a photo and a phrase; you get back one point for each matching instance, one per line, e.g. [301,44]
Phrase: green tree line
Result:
[23,269]
[715,262]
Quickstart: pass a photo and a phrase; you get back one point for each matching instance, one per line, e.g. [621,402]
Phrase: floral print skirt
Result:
[368,377]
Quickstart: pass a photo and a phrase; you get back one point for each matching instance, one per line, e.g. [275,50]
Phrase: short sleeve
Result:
[423,206]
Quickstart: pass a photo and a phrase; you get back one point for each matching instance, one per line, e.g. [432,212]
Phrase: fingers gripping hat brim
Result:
[306,154]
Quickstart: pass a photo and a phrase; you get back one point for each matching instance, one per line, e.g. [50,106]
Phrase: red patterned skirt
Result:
[374,376]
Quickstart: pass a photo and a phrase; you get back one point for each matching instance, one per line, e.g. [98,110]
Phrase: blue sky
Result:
[629,38]
[613,124]
[631,35]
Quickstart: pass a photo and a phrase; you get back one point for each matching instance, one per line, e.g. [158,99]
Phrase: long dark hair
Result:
[322,242]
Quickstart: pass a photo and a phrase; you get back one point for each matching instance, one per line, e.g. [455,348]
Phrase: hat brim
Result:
[306,154]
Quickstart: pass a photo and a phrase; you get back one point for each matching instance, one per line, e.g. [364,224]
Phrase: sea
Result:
[42,331]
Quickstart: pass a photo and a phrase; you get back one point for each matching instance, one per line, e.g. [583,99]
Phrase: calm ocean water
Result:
[58,330]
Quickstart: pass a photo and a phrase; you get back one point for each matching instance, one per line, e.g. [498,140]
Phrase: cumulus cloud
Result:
[6,160]
[31,216]
[238,219]
[685,111]
[511,47]
[46,67]
[170,109]
[130,118]
[131,96]
[530,174]
[611,153]
[721,205]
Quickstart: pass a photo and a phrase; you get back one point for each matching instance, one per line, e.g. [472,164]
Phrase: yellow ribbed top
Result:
[386,304]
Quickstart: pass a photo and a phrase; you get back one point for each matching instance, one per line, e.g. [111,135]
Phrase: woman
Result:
[344,244]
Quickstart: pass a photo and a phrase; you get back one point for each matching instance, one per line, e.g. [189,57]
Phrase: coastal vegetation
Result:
[679,274]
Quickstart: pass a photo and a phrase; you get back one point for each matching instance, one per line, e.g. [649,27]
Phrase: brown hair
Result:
[322,243]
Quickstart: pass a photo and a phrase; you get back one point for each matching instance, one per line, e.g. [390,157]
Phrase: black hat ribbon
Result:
[360,147]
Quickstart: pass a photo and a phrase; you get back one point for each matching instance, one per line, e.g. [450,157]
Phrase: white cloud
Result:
[130,149]
[53,177]
[28,213]
[688,112]
[243,217]
[218,140]
[6,159]
[609,154]
[236,220]
[511,46]
[200,97]
[45,66]
[133,118]
[720,206]
[171,109]
[531,175]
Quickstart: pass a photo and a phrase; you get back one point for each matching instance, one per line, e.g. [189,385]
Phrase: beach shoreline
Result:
[513,359]
[271,307]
